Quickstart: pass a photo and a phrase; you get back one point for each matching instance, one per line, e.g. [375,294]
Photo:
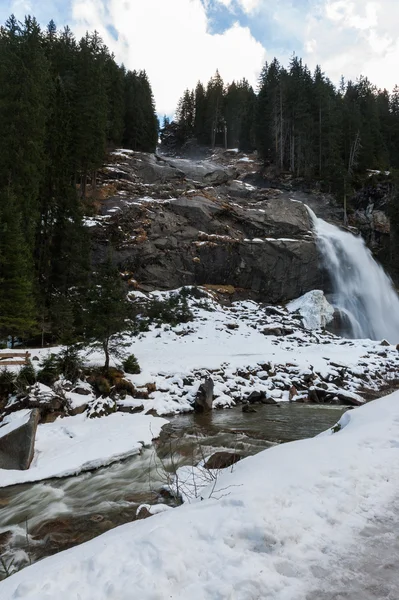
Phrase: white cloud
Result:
[170,40]
[250,6]
[225,2]
[21,7]
[356,37]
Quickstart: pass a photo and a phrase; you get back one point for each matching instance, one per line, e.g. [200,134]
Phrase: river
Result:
[40,519]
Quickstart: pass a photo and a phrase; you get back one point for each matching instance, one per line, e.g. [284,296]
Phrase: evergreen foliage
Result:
[107,311]
[299,122]
[63,104]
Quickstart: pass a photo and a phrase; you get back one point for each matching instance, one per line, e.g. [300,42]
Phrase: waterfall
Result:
[363,292]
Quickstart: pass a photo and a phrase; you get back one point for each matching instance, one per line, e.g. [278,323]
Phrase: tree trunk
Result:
[281,130]
[320,141]
[83,185]
[106,352]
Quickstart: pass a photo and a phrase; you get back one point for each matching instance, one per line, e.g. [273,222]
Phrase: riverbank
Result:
[289,510]
[43,518]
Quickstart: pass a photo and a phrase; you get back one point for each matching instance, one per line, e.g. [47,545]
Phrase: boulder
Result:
[222,460]
[197,209]
[314,309]
[248,408]
[17,440]
[82,391]
[204,399]
[203,171]
[256,397]
[269,401]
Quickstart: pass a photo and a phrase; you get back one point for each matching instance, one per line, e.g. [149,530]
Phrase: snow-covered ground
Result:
[267,530]
[246,347]
[75,444]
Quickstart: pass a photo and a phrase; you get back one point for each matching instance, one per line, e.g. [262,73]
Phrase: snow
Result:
[75,444]
[240,360]
[314,308]
[267,530]
[177,359]
[14,421]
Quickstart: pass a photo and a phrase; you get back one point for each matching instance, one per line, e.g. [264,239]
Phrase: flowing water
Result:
[363,292]
[40,519]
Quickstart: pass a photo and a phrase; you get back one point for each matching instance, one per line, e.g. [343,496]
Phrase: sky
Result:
[179,42]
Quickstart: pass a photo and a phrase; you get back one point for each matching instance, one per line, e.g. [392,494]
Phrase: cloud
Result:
[250,6]
[171,41]
[354,37]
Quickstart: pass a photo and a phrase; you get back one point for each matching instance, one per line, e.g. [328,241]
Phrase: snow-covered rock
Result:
[75,444]
[314,309]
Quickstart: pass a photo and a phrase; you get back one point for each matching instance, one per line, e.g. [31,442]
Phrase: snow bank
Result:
[74,444]
[14,421]
[269,530]
[314,308]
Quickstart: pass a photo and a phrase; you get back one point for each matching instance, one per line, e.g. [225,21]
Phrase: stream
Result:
[40,519]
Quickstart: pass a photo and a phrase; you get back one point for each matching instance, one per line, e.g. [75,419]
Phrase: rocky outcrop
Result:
[204,227]
[17,440]
[204,398]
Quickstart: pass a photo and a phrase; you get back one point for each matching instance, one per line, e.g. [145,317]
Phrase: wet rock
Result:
[143,512]
[269,401]
[313,397]
[5,538]
[293,393]
[17,441]
[248,408]
[222,460]
[204,399]
[256,397]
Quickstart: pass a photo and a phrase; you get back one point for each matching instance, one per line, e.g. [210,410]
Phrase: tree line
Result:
[63,104]
[298,121]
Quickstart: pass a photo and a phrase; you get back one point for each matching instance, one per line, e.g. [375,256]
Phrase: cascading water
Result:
[362,290]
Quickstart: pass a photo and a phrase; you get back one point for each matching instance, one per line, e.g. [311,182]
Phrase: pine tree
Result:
[17,305]
[215,122]
[200,112]
[91,107]
[107,310]
[141,123]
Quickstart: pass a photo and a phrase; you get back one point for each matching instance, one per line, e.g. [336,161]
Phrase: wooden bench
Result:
[23,358]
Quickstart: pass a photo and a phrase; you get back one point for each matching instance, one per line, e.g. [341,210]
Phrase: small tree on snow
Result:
[107,311]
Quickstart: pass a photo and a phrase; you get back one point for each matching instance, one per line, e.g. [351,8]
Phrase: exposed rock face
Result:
[188,233]
[17,441]
[204,398]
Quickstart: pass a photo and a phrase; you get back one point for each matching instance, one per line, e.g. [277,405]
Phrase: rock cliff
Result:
[178,222]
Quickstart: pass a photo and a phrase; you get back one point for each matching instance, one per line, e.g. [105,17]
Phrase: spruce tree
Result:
[17,304]
[107,310]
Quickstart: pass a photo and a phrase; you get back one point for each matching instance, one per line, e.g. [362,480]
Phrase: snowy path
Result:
[370,570]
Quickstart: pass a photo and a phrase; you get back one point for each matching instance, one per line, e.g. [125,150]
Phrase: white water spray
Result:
[362,290]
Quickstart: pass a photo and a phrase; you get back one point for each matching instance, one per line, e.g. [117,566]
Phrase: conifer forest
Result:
[65,103]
